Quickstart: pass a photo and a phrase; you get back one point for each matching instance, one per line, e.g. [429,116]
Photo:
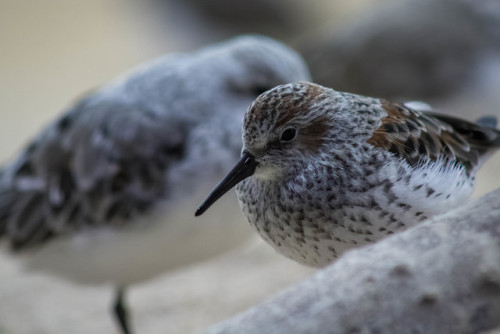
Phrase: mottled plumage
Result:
[416,136]
[102,195]
[324,171]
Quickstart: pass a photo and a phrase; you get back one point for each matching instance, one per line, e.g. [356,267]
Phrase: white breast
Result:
[170,238]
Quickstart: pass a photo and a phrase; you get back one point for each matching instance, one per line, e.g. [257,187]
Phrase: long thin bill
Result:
[244,168]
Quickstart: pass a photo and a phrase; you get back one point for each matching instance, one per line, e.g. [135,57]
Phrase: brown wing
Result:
[417,137]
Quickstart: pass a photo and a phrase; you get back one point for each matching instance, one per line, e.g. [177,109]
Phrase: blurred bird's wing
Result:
[101,163]
[417,137]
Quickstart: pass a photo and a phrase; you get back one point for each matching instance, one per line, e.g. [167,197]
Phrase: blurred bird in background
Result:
[102,195]
[410,49]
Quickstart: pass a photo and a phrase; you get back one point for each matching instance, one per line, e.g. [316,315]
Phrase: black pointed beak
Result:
[244,168]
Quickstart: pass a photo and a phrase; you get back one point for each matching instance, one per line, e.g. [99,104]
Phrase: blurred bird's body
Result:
[103,195]
[324,171]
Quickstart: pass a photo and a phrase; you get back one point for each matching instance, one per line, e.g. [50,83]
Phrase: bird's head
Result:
[283,127]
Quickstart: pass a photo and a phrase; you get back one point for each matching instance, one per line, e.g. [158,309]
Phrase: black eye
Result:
[288,134]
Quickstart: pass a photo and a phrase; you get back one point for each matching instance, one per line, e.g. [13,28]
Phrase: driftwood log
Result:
[442,276]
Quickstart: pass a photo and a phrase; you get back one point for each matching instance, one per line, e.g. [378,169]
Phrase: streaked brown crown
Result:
[289,105]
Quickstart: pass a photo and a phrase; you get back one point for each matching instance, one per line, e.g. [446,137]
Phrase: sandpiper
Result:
[103,194]
[323,171]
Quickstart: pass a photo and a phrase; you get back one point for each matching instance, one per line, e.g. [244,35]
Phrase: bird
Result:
[323,171]
[103,194]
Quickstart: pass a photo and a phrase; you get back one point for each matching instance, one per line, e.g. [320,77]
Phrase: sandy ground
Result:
[52,51]
[185,301]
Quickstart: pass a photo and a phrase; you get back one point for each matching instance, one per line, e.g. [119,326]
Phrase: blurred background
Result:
[52,51]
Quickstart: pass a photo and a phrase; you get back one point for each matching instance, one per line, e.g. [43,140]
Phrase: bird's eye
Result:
[288,135]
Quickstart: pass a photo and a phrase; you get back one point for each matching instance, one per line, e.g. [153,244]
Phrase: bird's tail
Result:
[5,211]
[491,123]
[488,121]
[483,134]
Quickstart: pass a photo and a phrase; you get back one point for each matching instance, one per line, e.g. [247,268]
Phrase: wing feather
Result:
[417,137]
[98,164]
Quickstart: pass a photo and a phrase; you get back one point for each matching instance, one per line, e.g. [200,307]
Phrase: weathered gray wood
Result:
[442,276]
